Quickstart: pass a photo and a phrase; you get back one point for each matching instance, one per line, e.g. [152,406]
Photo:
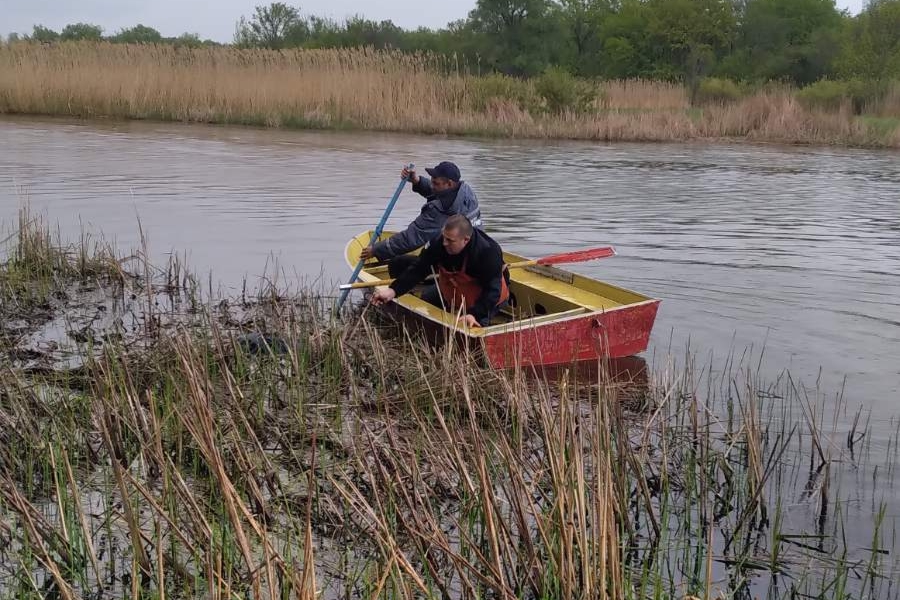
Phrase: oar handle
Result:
[361,285]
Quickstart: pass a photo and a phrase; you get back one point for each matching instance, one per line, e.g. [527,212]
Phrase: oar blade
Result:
[578,256]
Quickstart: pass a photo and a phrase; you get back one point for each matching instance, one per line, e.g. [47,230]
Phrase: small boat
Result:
[554,316]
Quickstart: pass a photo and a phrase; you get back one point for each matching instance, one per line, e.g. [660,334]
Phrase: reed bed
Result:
[889,105]
[641,94]
[325,455]
[388,91]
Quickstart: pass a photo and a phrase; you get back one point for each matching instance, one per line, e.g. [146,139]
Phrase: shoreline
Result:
[710,140]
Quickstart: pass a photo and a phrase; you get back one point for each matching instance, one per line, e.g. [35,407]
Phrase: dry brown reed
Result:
[357,462]
[889,105]
[776,116]
[368,89]
[642,94]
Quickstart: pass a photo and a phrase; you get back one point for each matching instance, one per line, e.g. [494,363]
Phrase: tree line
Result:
[139,34]
[793,41]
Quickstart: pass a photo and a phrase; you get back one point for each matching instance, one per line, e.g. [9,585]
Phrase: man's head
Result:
[444,176]
[457,232]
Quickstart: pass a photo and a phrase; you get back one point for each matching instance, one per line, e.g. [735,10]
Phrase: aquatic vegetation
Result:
[265,447]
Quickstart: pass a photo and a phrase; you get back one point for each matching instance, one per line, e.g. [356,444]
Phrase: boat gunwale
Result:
[520,324]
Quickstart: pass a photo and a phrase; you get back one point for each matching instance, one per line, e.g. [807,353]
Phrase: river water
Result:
[794,252]
[790,254]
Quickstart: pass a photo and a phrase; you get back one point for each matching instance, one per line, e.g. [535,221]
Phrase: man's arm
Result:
[410,238]
[416,272]
[400,243]
[423,186]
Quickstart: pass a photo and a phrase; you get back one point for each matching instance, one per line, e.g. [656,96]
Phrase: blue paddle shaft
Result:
[375,235]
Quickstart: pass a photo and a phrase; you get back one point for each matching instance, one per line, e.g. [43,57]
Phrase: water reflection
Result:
[629,374]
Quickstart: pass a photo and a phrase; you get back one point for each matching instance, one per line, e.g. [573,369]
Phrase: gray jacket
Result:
[428,224]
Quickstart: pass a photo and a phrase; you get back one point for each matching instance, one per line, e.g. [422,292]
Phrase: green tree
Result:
[626,51]
[190,40]
[581,21]
[793,40]
[687,36]
[621,60]
[357,31]
[871,48]
[422,38]
[43,34]
[513,34]
[274,26]
[139,34]
[363,32]
[458,41]
[323,32]
[81,31]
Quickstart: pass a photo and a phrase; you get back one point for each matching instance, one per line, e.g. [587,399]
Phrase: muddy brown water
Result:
[789,251]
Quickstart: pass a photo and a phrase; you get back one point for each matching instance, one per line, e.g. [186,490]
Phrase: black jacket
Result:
[484,262]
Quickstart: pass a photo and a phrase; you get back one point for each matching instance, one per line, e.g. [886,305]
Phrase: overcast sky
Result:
[215,19]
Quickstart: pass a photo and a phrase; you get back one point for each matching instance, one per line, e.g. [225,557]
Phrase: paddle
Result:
[375,235]
[553,259]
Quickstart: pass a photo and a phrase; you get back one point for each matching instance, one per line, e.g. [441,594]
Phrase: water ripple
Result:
[799,247]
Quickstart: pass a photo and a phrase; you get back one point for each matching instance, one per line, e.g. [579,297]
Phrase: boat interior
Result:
[537,293]
[545,293]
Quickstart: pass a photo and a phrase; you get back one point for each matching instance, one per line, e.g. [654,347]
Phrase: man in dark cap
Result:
[447,194]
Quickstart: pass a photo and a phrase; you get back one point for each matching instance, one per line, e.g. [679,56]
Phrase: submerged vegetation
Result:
[393,91]
[181,445]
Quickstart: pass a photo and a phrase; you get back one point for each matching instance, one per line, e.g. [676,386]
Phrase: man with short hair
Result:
[470,273]
[447,195]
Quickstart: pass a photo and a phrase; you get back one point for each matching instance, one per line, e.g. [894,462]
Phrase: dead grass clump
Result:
[506,112]
[887,104]
[642,94]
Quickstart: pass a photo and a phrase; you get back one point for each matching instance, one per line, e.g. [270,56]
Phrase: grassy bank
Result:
[262,447]
[394,92]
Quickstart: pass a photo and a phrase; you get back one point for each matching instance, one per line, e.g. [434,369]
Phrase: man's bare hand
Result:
[469,321]
[411,175]
[383,296]
[366,253]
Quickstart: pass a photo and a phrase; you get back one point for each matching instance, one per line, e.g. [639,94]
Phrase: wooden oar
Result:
[375,235]
[553,259]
